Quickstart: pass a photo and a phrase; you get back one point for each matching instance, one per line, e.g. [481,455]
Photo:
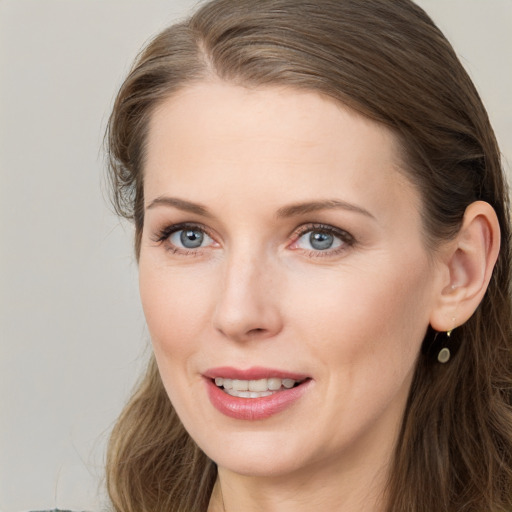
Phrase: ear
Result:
[467,262]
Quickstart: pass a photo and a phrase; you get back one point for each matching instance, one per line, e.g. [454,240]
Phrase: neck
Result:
[315,488]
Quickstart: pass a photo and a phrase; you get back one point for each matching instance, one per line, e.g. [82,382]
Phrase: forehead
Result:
[218,139]
[264,114]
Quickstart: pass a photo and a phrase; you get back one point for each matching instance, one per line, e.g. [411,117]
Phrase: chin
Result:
[256,454]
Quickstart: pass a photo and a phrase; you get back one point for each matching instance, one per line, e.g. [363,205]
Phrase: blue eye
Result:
[322,240]
[190,238]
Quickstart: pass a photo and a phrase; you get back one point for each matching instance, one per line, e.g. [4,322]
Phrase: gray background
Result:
[72,335]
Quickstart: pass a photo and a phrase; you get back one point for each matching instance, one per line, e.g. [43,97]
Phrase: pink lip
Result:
[254,373]
[253,408]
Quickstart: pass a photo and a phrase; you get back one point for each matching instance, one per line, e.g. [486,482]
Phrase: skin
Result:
[256,293]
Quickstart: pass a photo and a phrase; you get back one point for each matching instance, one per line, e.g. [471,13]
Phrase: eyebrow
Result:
[180,204]
[284,212]
[314,206]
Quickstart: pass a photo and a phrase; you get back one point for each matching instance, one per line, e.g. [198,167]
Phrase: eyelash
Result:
[163,235]
[347,240]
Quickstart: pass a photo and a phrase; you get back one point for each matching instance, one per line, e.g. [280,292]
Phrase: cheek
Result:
[175,308]
[363,331]
[174,305]
[366,318]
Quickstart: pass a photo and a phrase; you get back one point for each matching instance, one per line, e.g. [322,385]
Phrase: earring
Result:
[444,353]
[439,346]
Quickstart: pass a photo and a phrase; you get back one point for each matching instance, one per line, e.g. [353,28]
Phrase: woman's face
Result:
[282,245]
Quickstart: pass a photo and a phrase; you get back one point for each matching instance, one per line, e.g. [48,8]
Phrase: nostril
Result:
[254,332]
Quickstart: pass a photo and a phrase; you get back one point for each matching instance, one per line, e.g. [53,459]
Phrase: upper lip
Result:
[253,373]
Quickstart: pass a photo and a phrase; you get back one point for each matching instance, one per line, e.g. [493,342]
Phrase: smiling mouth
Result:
[255,388]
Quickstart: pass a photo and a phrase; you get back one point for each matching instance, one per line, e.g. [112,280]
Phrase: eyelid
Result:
[162,236]
[346,238]
[327,228]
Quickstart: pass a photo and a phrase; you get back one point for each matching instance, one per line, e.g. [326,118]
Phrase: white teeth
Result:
[274,384]
[226,383]
[288,383]
[240,385]
[249,394]
[258,385]
[254,388]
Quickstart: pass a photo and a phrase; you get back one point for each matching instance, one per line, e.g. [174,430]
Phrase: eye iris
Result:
[321,241]
[191,238]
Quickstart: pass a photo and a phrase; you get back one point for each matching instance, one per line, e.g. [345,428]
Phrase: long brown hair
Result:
[387,60]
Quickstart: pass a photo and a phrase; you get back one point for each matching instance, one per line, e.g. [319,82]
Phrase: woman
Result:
[321,225]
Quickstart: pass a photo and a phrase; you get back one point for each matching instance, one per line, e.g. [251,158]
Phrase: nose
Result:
[248,304]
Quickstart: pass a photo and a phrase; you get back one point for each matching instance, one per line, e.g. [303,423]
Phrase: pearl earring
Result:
[444,354]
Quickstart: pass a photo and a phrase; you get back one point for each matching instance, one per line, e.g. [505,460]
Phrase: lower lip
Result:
[252,409]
